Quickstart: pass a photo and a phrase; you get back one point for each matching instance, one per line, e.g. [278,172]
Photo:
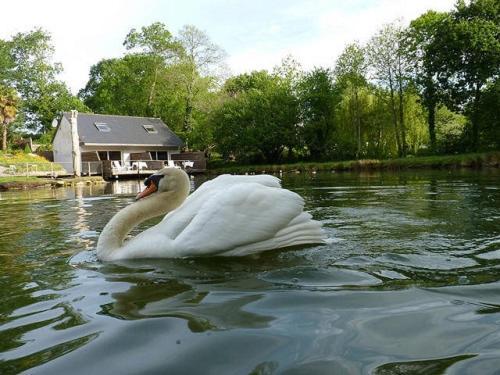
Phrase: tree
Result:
[32,74]
[158,43]
[202,62]
[8,110]
[450,130]
[318,99]
[467,53]
[391,68]
[489,116]
[350,73]
[119,86]
[422,35]
[257,120]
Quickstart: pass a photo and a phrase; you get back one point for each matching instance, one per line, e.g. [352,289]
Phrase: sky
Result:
[256,34]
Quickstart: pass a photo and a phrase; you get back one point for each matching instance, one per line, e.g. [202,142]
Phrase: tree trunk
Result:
[475,118]
[431,119]
[402,120]
[394,116]
[430,102]
[358,121]
[188,114]
[4,136]
[401,108]
[150,111]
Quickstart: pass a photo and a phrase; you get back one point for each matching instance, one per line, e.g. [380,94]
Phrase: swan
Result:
[226,216]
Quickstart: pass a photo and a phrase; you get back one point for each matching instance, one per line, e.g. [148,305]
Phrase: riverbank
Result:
[475,160]
[24,183]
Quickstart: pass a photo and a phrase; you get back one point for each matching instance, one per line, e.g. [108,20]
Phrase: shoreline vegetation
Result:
[25,183]
[474,160]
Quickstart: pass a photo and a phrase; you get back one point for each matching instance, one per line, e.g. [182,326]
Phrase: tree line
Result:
[431,87]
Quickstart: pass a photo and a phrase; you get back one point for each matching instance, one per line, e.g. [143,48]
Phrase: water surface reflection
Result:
[409,283]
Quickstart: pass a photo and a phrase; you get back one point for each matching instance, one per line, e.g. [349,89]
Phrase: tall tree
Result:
[422,36]
[119,85]
[391,67]
[33,75]
[467,52]
[202,65]
[9,102]
[318,99]
[257,120]
[122,86]
[157,42]
[350,74]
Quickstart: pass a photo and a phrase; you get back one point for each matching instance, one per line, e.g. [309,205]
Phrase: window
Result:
[110,155]
[102,127]
[150,129]
[103,155]
[115,155]
[161,155]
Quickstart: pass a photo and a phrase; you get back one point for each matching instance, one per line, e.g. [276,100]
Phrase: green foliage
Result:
[450,130]
[258,119]
[45,140]
[162,76]
[318,98]
[466,56]
[154,40]
[9,102]
[26,66]
[421,38]
[489,117]
[433,87]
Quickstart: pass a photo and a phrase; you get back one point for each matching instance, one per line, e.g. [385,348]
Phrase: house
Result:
[85,142]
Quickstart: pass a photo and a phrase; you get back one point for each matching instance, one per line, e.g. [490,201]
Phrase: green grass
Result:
[20,179]
[475,160]
[20,159]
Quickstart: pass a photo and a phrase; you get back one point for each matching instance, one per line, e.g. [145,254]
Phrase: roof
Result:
[123,130]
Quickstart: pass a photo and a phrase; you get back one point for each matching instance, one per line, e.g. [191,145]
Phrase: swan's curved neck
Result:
[116,230]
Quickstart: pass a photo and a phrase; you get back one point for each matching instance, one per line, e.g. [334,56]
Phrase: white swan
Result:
[227,216]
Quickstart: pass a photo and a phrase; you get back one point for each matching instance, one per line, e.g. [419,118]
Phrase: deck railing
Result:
[114,167]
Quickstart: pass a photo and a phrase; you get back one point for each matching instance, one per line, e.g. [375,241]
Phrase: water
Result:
[410,283]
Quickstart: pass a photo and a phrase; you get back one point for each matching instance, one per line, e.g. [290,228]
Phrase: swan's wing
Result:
[225,181]
[241,214]
[199,198]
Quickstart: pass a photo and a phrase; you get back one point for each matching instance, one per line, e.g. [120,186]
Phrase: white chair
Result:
[116,164]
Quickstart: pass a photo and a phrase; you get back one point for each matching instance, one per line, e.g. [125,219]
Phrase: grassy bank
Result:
[476,160]
[20,157]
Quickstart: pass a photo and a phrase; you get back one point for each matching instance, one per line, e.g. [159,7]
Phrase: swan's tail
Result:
[300,231]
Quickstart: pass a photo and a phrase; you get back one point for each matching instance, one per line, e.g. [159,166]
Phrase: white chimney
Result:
[77,158]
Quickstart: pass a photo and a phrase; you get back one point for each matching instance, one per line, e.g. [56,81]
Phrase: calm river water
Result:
[409,284]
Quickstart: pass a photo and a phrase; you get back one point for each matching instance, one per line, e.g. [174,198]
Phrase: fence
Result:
[35,169]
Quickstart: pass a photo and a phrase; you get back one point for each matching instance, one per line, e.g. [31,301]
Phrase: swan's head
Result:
[166,179]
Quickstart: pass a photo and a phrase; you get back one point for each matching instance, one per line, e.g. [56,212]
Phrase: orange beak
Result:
[149,190]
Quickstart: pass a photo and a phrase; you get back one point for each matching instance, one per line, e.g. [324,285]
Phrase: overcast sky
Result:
[256,34]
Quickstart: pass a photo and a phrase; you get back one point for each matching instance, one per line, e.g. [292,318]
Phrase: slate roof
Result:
[124,130]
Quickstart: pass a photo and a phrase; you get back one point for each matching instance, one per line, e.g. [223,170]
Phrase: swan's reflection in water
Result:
[152,294]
